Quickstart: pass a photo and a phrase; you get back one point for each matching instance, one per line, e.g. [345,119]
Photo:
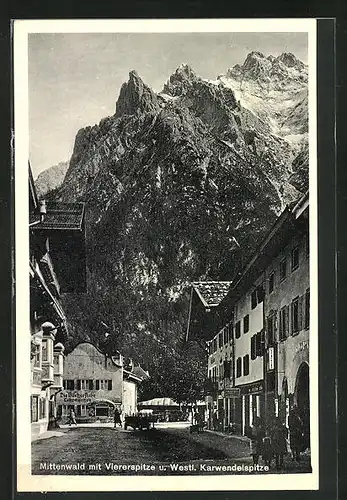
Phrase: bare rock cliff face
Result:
[179,186]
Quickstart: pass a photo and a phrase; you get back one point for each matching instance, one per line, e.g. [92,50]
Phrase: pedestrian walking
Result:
[295,433]
[72,417]
[117,418]
[279,434]
[256,434]
[215,421]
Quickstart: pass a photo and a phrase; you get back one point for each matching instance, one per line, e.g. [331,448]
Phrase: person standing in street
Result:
[256,434]
[295,433]
[279,434]
[72,417]
[116,418]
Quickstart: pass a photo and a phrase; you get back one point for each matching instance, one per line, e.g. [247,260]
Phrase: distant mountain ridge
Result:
[51,178]
[180,186]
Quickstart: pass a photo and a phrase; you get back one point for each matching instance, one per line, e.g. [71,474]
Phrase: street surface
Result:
[167,449]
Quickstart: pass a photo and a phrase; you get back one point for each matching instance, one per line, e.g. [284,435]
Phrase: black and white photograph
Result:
[166,203]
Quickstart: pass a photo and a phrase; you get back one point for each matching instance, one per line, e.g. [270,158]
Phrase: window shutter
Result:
[262,342]
[276,325]
[253,354]
[301,313]
[287,321]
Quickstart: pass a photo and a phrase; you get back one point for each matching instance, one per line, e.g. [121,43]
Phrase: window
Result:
[257,296]
[78,385]
[283,269]
[231,333]
[42,408]
[246,323]
[254,300]
[246,364]
[104,385]
[260,294]
[34,408]
[90,385]
[253,347]
[295,315]
[226,334]
[69,385]
[37,356]
[295,258]
[220,339]
[271,330]
[238,367]
[44,350]
[283,330]
[84,384]
[238,330]
[307,308]
[271,282]
[259,343]
[227,369]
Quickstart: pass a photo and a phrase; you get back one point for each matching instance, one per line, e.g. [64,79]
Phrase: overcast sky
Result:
[74,79]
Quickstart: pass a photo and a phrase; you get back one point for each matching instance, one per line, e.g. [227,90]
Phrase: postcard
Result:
[166,255]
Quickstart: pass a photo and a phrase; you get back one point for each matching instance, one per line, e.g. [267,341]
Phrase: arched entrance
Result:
[302,388]
[302,400]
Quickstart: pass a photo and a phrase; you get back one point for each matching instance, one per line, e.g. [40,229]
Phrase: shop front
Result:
[249,405]
[86,406]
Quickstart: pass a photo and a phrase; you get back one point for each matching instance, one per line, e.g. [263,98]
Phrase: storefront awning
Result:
[102,401]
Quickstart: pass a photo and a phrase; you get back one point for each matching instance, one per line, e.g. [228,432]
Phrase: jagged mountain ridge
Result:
[179,186]
[276,90]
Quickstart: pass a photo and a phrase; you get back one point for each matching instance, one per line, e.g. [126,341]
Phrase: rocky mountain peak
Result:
[258,67]
[180,81]
[135,96]
[289,60]
[256,64]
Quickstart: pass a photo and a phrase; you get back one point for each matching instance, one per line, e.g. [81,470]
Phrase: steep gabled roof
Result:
[211,293]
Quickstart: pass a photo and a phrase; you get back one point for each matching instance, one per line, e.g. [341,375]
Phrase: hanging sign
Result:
[271,359]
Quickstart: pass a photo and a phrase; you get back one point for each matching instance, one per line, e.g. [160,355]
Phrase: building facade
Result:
[94,385]
[262,326]
[53,230]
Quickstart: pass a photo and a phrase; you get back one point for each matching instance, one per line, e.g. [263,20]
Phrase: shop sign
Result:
[271,363]
[232,392]
[253,388]
[302,346]
[276,407]
[75,397]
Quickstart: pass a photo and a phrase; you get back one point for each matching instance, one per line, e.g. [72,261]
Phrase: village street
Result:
[167,449]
